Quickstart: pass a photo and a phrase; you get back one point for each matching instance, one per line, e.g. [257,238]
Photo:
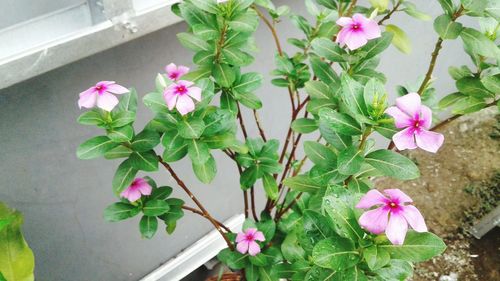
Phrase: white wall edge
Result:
[84,43]
[196,255]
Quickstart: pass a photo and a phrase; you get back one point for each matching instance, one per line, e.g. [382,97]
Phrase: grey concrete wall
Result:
[62,197]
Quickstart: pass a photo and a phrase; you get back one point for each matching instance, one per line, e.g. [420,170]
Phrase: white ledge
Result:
[82,43]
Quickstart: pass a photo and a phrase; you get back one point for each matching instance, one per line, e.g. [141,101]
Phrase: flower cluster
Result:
[356,31]
[101,95]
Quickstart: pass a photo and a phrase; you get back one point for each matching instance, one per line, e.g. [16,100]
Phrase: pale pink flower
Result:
[138,188]
[392,215]
[409,113]
[175,72]
[246,241]
[356,31]
[180,95]
[101,95]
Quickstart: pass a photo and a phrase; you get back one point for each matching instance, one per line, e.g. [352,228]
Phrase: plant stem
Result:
[435,54]
[203,215]
[351,8]
[242,124]
[196,201]
[259,125]
[281,213]
[388,16]
[252,200]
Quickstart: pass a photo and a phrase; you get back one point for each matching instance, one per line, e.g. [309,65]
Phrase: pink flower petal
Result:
[414,218]
[396,228]
[358,18]
[240,237]
[410,104]
[107,101]
[251,231]
[370,199]
[171,68]
[133,195]
[401,119]
[184,104]
[88,98]
[426,117]
[375,221]
[117,89]
[195,93]
[259,236]
[242,247]
[182,70]
[125,193]
[343,21]
[404,139]
[105,83]
[341,36]
[144,188]
[253,248]
[355,40]
[170,97]
[398,196]
[185,83]
[371,29]
[430,141]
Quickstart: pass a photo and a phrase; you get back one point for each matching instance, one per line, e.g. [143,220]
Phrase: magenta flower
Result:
[101,95]
[246,241]
[356,31]
[409,113]
[180,95]
[392,215]
[138,188]
[175,72]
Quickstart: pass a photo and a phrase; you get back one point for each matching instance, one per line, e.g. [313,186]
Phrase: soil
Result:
[458,186]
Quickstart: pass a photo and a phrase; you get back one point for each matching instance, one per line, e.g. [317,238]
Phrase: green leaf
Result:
[352,94]
[335,253]
[122,118]
[145,161]
[335,139]
[120,211]
[175,146]
[327,48]
[92,117]
[246,22]
[376,46]
[468,105]
[155,102]
[393,164]
[397,270]
[302,183]
[493,9]
[161,193]
[479,43]
[320,155]
[447,6]
[304,125]
[417,247]
[224,75]
[148,226]
[446,28]
[128,101]
[233,259]
[323,71]
[206,5]
[291,249]
[459,72]
[234,56]
[192,42]
[120,151]
[475,6]
[124,176]
[340,122]
[145,140]
[191,129]
[155,207]
[270,186]
[122,134]
[381,5]
[248,82]
[492,83]
[339,203]
[376,258]
[400,40]
[318,90]
[412,11]
[249,100]
[206,171]
[95,147]
[450,99]
[472,86]
[349,161]
[198,151]
[16,258]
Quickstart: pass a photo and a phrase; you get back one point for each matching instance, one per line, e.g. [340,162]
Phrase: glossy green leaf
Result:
[446,28]
[148,226]
[340,122]
[270,186]
[393,164]
[191,129]
[124,176]
[192,42]
[155,207]
[400,40]
[302,183]
[304,125]
[349,160]
[335,253]
[206,171]
[120,211]
[145,161]
[320,154]
[175,146]
[417,247]
[327,48]
[95,147]
[145,140]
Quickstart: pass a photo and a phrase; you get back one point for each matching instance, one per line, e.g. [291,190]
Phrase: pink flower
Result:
[246,241]
[392,216]
[356,31]
[100,95]
[175,72]
[409,113]
[138,188]
[180,94]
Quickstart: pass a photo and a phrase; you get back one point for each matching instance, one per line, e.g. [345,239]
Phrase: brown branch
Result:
[252,200]
[388,16]
[205,216]
[242,124]
[435,54]
[280,214]
[351,8]
[259,125]
[197,202]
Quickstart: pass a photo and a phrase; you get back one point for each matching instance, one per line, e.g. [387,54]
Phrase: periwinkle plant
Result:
[317,223]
